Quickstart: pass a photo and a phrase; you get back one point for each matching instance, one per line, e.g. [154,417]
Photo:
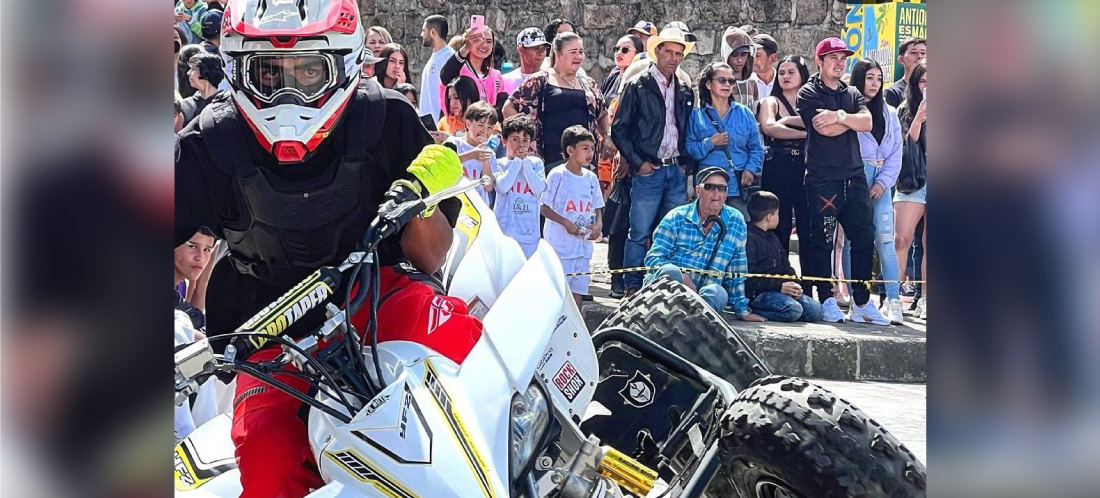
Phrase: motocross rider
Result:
[290,170]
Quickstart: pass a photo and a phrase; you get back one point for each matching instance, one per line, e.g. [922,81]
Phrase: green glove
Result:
[438,168]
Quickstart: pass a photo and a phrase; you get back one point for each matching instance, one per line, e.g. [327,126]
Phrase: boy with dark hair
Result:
[477,160]
[779,300]
[573,207]
[520,183]
[204,74]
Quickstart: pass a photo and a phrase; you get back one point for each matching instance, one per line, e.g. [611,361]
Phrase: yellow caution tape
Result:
[721,274]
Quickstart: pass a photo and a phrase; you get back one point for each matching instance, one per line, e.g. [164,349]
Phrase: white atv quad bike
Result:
[540,407]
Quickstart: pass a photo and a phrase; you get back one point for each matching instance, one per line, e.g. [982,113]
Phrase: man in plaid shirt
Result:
[705,235]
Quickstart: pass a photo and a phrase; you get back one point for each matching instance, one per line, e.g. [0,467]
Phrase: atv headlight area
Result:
[529,421]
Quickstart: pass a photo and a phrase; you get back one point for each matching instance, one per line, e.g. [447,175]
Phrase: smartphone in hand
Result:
[477,24]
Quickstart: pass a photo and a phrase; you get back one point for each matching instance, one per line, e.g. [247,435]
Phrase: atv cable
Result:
[312,361]
[246,367]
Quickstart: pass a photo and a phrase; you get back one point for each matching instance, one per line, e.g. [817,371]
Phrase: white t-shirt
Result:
[473,169]
[520,183]
[429,82]
[514,79]
[576,198]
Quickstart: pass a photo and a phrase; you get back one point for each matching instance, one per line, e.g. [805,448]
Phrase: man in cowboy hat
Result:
[649,130]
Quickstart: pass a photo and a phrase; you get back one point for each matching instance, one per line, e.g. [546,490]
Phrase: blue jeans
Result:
[779,307]
[651,198]
[884,236]
[714,295]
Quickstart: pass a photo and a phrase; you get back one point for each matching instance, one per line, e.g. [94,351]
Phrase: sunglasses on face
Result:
[620,50]
[722,80]
[711,187]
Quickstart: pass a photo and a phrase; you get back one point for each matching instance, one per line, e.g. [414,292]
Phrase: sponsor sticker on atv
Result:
[638,391]
[568,381]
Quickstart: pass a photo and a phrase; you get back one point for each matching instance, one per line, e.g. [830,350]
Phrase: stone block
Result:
[893,360]
[832,358]
[706,43]
[770,11]
[601,17]
[783,354]
[811,11]
[722,12]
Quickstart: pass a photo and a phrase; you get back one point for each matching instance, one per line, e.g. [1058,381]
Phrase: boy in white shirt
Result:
[573,207]
[520,182]
[477,160]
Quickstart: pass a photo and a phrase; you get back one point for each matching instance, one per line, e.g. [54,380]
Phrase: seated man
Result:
[705,235]
[781,300]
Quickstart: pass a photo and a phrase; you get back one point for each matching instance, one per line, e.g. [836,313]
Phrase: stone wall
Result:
[796,24]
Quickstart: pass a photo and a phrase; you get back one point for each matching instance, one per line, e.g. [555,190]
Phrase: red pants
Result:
[273,451]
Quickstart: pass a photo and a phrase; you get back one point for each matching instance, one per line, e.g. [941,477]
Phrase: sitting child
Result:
[776,299]
[520,182]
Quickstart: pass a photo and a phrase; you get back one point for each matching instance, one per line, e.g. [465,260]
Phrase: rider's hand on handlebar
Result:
[438,168]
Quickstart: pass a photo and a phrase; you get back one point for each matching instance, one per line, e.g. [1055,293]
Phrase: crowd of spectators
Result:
[649,159]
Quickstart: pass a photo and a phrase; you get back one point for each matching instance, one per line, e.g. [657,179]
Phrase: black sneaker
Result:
[586,297]
[616,293]
[629,292]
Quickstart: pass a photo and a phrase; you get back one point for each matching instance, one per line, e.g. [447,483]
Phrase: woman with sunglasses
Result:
[723,133]
[785,138]
[625,50]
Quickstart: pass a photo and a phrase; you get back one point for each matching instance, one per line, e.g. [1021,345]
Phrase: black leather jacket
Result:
[640,121]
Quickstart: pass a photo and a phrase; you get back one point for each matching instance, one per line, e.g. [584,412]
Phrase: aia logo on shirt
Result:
[438,313]
[578,206]
[521,188]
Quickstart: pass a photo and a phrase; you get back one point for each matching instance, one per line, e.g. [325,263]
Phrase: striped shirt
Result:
[679,240]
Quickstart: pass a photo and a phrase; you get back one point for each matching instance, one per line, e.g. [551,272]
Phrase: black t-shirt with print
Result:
[830,158]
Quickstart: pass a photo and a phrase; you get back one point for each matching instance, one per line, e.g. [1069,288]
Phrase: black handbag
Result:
[913,167]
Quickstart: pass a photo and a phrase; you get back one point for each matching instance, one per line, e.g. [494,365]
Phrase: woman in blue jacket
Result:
[724,133]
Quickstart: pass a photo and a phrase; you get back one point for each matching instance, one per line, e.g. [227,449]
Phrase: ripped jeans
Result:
[884,235]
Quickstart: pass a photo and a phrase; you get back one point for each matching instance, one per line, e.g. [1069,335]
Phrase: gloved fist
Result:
[438,168]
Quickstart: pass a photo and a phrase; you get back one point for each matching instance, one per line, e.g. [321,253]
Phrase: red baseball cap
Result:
[830,45]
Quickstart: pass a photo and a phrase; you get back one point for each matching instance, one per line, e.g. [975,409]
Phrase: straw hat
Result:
[672,35]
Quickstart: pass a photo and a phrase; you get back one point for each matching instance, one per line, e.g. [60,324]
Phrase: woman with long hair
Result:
[624,51]
[724,133]
[785,140]
[394,66]
[376,38]
[910,208]
[560,97]
[475,61]
[881,151]
[460,93]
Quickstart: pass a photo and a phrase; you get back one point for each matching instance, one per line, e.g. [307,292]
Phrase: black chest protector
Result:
[281,235]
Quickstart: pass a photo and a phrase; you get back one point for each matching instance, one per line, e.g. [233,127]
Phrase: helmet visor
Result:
[271,77]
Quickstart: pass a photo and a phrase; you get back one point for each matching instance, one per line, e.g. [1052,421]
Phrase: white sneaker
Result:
[922,308]
[832,311]
[893,311]
[867,313]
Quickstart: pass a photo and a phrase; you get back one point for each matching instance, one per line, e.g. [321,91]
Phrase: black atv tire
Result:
[785,432]
[676,318]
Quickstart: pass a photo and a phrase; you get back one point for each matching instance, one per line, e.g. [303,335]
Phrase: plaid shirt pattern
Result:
[679,240]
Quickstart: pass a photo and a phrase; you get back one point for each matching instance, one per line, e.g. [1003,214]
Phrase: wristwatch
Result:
[841,116]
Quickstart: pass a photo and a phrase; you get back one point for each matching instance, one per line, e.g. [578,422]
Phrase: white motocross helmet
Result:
[292,66]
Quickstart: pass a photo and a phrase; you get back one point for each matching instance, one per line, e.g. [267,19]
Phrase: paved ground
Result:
[898,407]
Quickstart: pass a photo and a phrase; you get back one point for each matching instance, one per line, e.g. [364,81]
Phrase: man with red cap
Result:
[836,187]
